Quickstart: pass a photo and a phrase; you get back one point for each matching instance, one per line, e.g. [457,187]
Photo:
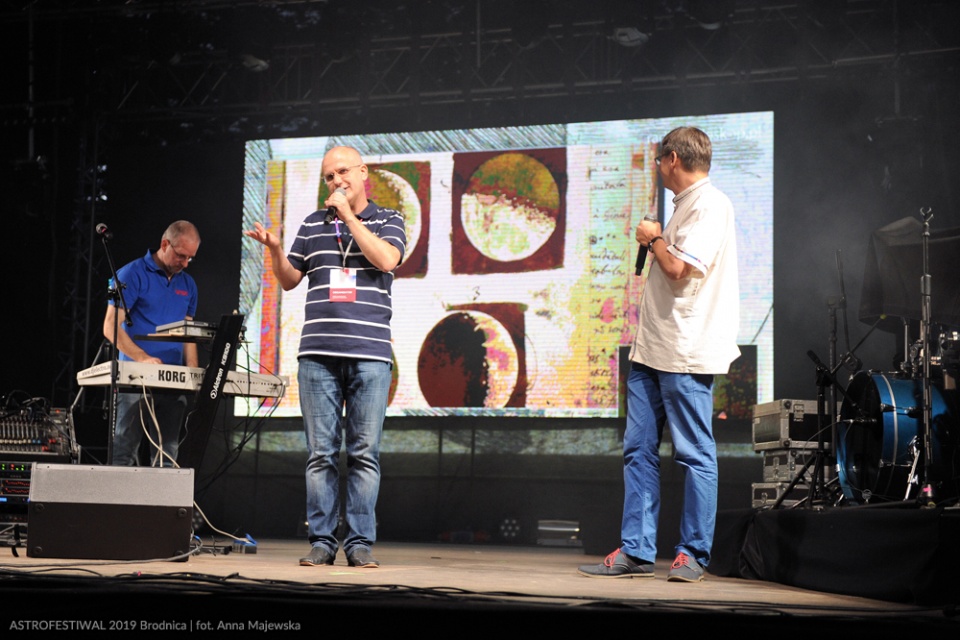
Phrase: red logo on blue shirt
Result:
[181,292]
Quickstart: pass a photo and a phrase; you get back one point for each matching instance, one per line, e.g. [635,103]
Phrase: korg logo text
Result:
[167,375]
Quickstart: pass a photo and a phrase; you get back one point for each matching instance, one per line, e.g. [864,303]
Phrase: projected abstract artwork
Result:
[507,211]
[517,292]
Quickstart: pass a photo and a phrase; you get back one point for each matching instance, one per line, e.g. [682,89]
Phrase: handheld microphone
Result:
[642,251]
[103,231]
[332,211]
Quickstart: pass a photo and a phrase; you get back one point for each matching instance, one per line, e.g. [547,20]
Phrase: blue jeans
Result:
[343,396]
[169,409]
[685,402]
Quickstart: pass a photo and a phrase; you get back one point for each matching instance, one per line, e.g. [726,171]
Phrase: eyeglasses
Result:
[180,256]
[340,172]
[661,156]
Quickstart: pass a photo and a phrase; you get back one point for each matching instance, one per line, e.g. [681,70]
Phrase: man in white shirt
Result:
[687,333]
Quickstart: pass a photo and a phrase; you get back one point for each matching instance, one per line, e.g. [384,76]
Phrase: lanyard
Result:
[336,224]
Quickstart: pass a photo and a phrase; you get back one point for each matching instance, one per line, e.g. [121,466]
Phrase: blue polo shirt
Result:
[153,300]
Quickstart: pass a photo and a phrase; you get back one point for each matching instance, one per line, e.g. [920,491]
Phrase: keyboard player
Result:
[157,290]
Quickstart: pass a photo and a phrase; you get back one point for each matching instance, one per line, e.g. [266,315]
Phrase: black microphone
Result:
[642,251]
[332,211]
[103,231]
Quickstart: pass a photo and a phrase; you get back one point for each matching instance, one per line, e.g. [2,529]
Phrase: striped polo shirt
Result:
[359,329]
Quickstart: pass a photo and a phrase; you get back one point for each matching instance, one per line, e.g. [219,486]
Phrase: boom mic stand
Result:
[115,293]
[817,491]
[826,377]
[818,486]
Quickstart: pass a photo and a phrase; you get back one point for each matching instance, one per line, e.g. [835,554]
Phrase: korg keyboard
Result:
[167,376]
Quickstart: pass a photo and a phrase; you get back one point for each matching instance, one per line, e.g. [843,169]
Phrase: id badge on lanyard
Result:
[343,281]
[343,285]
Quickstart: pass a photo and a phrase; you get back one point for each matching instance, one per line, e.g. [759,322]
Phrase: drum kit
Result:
[896,435]
[894,445]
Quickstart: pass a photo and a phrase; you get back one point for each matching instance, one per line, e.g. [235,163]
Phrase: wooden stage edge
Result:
[416,585]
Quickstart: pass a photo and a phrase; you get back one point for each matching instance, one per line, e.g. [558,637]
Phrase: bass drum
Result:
[880,418]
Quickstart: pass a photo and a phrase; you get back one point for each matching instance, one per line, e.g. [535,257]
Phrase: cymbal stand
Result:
[927,495]
[906,366]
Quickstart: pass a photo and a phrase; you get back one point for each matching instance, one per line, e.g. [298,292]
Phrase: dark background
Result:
[134,114]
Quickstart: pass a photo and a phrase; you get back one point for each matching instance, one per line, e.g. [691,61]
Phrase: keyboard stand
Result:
[200,419]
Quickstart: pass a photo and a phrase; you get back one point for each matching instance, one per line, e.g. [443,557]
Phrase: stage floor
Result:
[475,585]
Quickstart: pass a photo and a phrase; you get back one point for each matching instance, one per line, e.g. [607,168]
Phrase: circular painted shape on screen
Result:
[468,359]
[394,378]
[510,207]
[390,190]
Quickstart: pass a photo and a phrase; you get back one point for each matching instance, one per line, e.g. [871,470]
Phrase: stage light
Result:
[711,14]
[558,533]
[630,36]
[510,529]
[253,63]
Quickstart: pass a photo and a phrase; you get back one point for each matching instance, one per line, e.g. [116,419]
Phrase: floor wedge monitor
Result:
[109,513]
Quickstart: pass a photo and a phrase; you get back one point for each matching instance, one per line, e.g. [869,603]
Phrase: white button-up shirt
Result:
[690,325]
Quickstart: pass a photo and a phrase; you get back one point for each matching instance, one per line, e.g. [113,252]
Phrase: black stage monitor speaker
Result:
[109,513]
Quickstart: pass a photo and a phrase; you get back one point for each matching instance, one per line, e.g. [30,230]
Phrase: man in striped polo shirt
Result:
[348,252]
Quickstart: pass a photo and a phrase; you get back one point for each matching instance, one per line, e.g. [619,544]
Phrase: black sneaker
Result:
[617,565]
[362,558]
[685,569]
[318,556]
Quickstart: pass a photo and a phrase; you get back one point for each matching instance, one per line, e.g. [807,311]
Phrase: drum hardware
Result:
[914,357]
[948,358]
[876,457]
[926,496]
[940,360]
[908,367]
[913,479]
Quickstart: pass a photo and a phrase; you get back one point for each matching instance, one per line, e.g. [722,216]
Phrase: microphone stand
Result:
[817,490]
[827,377]
[833,304]
[115,293]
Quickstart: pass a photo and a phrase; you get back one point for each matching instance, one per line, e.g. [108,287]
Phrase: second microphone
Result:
[642,250]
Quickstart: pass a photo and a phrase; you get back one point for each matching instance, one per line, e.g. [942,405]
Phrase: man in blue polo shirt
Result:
[347,251]
[157,291]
